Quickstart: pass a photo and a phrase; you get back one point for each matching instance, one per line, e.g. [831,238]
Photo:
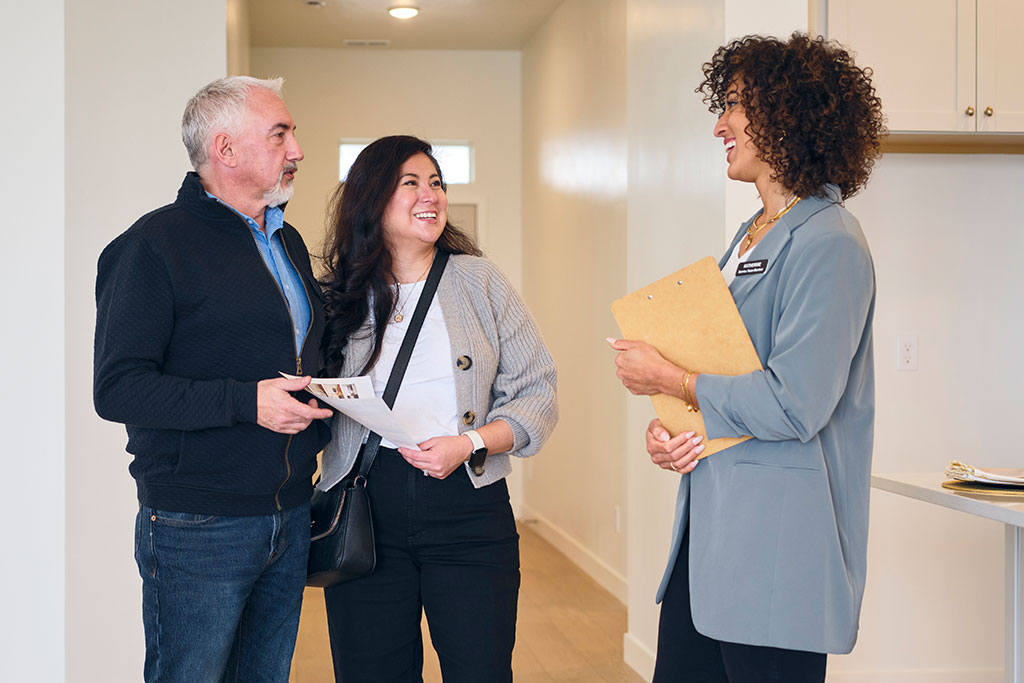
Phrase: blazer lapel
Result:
[774,243]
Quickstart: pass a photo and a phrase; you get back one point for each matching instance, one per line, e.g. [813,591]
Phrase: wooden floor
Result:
[569,628]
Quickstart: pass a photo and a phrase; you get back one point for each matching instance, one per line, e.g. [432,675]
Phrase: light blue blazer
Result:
[778,524]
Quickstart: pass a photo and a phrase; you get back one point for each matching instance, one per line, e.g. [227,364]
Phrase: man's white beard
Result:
[279,193]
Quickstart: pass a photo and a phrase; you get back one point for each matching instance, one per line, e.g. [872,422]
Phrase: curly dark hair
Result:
[814,117]
[357,260]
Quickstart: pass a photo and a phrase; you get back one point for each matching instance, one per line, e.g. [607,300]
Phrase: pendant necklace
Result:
[400,305]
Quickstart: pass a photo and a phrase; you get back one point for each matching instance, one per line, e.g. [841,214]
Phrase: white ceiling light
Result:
[404,12]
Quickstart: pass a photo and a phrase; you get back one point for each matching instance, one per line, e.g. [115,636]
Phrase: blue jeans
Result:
[221,595]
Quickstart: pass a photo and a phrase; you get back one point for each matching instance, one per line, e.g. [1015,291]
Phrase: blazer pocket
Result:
[777,466]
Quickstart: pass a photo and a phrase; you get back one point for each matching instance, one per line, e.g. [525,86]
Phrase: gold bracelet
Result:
[689,396]
[685,386]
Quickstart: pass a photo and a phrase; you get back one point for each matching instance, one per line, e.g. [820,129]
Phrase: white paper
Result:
[354,396]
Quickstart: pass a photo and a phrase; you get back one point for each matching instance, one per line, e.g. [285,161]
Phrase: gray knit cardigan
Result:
[503,370]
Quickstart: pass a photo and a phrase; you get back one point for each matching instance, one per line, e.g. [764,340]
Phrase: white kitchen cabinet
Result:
[1001,65]
[941,66]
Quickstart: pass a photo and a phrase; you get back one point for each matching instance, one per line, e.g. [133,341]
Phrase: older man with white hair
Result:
[200,305]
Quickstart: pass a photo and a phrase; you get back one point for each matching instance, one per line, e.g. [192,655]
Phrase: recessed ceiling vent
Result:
[362,42]
[316,3]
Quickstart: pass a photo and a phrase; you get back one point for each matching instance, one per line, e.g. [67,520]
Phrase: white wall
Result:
[574,251]
[131,67]
[32,346]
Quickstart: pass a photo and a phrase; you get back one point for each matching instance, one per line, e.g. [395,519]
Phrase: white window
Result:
[456,160]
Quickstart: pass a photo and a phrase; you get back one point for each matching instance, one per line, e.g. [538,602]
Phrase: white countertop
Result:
[927,486]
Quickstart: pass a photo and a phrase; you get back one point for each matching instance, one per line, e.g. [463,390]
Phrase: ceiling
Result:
[441,24]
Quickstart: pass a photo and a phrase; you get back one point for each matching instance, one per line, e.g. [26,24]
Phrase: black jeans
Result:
[443,547]
[686,656]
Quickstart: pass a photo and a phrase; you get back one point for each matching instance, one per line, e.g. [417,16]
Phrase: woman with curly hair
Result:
[767,564]
[480,387]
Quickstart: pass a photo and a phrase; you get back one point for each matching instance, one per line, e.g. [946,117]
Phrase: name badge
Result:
[752,267]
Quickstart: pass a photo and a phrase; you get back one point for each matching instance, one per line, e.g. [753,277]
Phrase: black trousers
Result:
[445,548]
[686,656]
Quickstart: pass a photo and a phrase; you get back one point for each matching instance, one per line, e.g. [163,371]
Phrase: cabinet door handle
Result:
[969,111]
[989,111]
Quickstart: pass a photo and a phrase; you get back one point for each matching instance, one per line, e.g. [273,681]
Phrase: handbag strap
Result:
[405,353]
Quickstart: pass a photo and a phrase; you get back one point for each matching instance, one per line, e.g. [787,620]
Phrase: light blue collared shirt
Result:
[275,256]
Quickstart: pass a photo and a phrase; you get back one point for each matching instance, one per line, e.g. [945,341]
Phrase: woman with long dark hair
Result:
[480,383]
[767,565]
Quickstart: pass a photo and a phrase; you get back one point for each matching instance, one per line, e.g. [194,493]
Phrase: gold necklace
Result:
[400,306]
[755,228]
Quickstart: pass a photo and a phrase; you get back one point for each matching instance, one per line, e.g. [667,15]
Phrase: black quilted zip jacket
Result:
[188,320]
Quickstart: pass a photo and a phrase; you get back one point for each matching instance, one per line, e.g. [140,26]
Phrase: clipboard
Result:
[691,319]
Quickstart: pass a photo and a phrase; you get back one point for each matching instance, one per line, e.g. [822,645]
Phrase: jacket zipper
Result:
[298,351]
[298,359]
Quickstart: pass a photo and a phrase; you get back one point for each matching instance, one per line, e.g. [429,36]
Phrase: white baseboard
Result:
[583,557]
[917,676]
[637,657]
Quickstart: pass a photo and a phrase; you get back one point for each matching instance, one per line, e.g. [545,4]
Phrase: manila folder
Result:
[691,318]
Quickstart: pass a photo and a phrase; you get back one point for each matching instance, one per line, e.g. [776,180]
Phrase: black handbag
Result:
[341,523]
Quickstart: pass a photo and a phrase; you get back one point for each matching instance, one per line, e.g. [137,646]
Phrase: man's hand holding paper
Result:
[355,397]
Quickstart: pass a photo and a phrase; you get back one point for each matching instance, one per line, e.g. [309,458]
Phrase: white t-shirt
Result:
[729,269]
[426,401]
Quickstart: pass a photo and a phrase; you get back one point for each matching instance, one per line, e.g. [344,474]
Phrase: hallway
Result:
[569,628]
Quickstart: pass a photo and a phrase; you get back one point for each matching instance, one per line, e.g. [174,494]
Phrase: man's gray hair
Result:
[219,107]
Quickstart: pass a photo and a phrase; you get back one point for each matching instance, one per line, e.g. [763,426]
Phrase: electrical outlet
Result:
[906,352]
[618,519]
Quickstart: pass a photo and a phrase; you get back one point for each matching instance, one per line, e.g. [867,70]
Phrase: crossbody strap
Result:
[405,353]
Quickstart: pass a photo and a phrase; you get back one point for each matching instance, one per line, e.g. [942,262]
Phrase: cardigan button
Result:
[463,362]
[469,417]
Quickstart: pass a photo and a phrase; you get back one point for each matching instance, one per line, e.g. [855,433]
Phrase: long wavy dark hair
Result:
[814,116]
[358,263]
